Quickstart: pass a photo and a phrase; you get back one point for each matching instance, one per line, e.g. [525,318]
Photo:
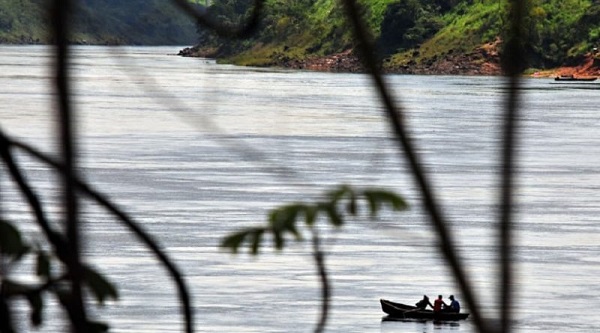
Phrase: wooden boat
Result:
[572,78]
[403,311]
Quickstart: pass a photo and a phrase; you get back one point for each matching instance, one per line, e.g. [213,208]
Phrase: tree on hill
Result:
[412,31]
[406,24]
[149,22]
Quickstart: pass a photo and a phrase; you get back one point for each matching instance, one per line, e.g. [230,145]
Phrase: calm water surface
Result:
[196,150]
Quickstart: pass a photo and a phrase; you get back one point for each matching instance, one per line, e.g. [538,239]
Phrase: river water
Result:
[195,150]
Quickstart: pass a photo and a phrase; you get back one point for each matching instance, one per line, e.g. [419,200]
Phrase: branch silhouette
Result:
[319,257]
[60,17]
[394,116]
[142,235]
[513,63]
[68,248]
[55,239]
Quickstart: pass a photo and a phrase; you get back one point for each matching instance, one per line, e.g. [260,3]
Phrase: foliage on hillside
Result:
[289,29]
[22,21]
[408,32]
[141,22]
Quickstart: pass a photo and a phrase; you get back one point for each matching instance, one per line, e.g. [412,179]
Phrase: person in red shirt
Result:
[439,304]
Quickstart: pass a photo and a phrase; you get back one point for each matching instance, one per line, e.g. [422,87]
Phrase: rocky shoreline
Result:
[484,60]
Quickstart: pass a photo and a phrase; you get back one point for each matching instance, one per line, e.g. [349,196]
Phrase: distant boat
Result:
[573,78]
[403,311]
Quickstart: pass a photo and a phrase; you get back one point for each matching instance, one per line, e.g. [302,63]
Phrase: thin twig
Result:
[325,288]
[55,239]
[6,323]
[513,63]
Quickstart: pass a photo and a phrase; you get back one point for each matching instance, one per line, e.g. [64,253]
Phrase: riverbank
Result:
[484,60]
[586,66]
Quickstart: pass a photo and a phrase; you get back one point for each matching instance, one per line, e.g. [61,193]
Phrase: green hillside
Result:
[138,22]
[406,31]
[22,22]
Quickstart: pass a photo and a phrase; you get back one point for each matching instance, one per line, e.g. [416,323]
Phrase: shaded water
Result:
[195,150]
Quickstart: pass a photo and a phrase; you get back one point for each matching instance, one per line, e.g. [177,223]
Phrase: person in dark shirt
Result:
[422,304]
[454,305]
[439,304]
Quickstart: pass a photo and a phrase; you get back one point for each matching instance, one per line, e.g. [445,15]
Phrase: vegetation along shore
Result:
[455,37]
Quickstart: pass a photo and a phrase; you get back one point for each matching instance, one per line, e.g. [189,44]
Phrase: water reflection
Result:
[397,325]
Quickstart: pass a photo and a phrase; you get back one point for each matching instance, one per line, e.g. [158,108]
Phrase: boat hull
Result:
[575,79]
[403,311]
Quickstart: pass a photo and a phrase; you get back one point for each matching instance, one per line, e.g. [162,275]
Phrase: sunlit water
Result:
[195,150]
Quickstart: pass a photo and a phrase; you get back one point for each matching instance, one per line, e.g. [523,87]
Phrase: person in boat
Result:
[454,305]
[439,304]
[422,304]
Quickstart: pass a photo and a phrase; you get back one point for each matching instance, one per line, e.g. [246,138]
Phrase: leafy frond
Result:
[379,198]
[11,242]
[100,287]
[236,240]
[341,203]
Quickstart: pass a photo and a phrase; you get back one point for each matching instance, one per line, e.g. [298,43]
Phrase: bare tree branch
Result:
[55,239]
[394,116]
[76,308]
[513,64]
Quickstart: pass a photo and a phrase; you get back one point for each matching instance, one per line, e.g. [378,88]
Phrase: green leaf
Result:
[43,265]
[334,216]
[373,204]
[100,287]
[377,198]
[311,213]
[256,239]
[279,240]
[352,208]
[343,202]
[11,242]
[338,194]
[282,220]
[234,241]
